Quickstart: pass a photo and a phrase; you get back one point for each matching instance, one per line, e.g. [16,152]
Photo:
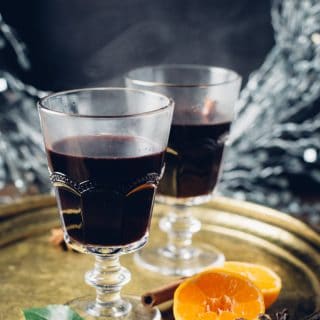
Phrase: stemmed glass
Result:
[204,108]
[105,150]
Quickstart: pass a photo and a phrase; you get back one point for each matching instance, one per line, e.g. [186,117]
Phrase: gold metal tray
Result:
[34,273]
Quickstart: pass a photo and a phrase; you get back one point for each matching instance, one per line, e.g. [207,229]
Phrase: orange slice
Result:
[217,295]
[264,278]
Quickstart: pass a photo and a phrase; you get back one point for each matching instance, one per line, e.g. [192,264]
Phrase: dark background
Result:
[74,43]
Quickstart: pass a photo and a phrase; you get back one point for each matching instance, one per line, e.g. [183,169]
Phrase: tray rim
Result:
[268,215]
[244,208]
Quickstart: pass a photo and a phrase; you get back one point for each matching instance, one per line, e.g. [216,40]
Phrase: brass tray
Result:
[34,273]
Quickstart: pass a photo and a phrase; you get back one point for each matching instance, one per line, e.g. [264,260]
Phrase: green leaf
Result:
[51,312]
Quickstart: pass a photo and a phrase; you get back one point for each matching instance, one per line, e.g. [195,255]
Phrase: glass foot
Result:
[185,263]
[130,308]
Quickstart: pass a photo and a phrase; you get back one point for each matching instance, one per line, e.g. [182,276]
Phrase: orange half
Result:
[264,278]
[217,295]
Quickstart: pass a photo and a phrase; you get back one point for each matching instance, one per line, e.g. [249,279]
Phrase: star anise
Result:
[282,315]
[57,238]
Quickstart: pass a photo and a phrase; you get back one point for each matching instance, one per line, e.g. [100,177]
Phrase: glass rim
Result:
[236,77]
[42,106]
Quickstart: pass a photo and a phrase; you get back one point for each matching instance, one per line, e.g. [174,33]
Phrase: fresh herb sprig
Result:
[51,312]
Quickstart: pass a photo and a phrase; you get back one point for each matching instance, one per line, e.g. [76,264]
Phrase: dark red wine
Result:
[193,155]
[105,187]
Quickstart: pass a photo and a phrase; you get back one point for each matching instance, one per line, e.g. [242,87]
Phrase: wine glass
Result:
[105,149]
[204,107]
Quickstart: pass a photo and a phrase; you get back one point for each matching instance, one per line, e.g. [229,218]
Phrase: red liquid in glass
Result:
[108,215]
[194,154]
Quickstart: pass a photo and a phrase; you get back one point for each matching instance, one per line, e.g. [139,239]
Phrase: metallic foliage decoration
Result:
[22,160]
[275,141]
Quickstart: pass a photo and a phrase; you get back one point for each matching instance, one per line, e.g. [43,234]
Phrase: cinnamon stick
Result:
[161,294]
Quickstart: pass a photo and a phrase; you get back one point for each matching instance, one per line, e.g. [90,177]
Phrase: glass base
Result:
[102,250]
[188,262]
[130,308]
[188,201]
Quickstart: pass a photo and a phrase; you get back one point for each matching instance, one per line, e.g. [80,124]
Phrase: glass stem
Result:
[180,225]
[108,277]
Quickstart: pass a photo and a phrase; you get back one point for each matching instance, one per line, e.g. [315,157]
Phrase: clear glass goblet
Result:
[204,108]
[105,150]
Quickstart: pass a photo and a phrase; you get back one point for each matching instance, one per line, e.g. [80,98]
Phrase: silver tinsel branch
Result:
[22,160]
[276,136]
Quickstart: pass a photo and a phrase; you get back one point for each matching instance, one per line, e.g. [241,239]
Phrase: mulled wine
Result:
[194,154]
[105,186]
[204,99]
